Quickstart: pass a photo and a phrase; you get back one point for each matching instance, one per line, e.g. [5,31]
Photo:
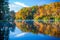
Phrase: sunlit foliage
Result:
[46,19]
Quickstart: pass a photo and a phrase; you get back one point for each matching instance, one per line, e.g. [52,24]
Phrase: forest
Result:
[40,19]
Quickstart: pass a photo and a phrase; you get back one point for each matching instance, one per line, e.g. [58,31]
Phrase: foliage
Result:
[45,13]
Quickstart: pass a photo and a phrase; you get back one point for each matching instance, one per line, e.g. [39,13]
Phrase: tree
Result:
[4,13]
[44,18]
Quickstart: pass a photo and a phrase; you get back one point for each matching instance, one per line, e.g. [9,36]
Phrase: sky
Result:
[18,4]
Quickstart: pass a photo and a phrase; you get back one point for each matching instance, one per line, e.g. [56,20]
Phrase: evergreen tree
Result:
[4,12]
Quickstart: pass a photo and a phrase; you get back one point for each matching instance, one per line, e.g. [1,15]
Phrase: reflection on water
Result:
[5,28]
[34,30]
[29,36]
[52,29]
[39,20]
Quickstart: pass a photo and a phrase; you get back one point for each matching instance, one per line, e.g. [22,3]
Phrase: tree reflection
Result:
[51,29]
[40,19]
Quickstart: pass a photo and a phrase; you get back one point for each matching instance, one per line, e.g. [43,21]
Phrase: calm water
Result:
[19,35]
[29,36]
